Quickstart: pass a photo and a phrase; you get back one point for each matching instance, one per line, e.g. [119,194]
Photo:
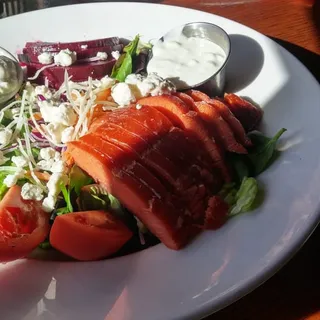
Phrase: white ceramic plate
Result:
[219,267]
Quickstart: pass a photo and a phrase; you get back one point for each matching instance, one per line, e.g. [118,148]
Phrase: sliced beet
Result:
[79,72]
[29,55]
[39,47]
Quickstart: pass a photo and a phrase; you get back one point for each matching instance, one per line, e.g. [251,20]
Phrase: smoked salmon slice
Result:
[219,129]
[181,116]
[235,125]
[160,216]
[248,114]
[150,157]
[148,117]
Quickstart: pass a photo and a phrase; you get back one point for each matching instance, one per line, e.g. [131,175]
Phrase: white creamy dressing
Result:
[9,79]
[186,61]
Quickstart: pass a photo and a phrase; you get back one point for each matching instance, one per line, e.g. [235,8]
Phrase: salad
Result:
[99,158]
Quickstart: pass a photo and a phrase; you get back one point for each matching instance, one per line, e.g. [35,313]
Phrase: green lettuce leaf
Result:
[264,150]
[3,187]
[77,179]
[124,65]
[243,199]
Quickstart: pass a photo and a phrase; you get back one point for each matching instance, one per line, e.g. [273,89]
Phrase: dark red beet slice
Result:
[29,56]
[79,72]
[39,47]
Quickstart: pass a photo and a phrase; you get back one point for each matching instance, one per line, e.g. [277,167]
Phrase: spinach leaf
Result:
[3,187]
[67,199]
[263,150]
[61,211]
[124,64]
[243,199]
[77,179]
[95,197]
[125,69]
[45,245]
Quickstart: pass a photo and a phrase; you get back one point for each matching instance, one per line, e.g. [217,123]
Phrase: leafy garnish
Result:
[67,198]
[242,194]
[243,199]
[77,179]
[62,210]
[45,245]
[95,197]
[263,151]
[124,65]
[3,187]
[258,158]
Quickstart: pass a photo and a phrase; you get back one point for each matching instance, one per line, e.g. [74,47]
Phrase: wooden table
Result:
[293,293]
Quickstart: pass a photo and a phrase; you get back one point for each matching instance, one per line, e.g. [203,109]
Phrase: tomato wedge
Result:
[88,235]
[23,225]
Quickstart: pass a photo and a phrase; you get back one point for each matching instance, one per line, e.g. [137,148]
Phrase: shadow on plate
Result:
[22,286]
[310,59]
[245,62]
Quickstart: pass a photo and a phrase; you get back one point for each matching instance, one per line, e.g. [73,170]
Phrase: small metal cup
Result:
[214,85]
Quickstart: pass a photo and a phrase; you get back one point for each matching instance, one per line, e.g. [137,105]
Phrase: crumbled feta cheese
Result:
[161,86]
[45,58]
[134,78]
[67,134]
[65,58]
[122,94]
[151,85]
[53,184]
[5,135]
[84,46]
[11,179]
[49,203]
[146,87]
[44,91]
[19,161]
[138,106]
[30,191]
[49,153]
[115,54]
[107,82]
[58,166]
[55,131]
[47,110]
[65,115]
[102,55]
[3,159]
[45,165]
[31,96]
